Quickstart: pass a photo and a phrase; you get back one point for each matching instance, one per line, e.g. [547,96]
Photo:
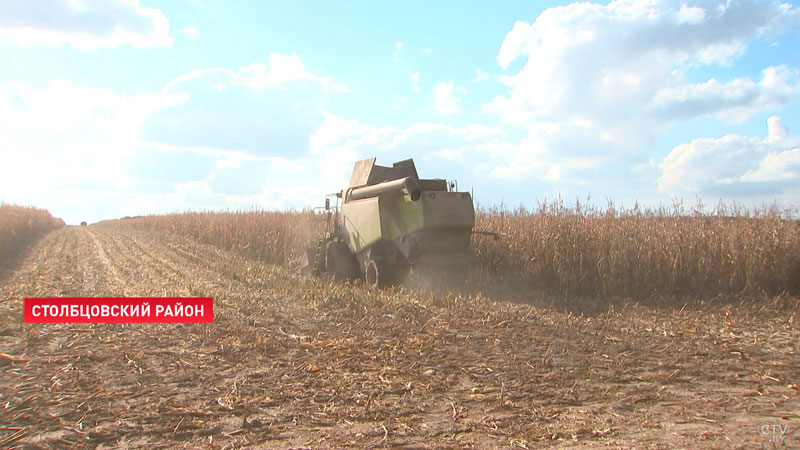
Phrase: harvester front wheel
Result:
[378,274]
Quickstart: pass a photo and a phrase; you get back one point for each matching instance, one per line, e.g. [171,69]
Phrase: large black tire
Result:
[377,273]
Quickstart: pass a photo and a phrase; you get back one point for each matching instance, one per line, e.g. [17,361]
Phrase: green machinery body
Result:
[391,221]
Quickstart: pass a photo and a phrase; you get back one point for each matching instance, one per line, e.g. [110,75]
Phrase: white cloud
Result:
[415,82]
[532,158]
[402,103]
[515,43]
[335,130]
[282,69]
[595,83]
[339,142]
[398,48]
[65,140]
[427,51]
[512,171]
[422,137]
[211,138]
[734,101]
[83,25]
[264,109]
[776,167]
[267,129]
[776,132]
[200,74]
[623,63]
[691,14]
[192,32]
[70,114]
[447,98]
[480,75]
[734,166]
[451,154]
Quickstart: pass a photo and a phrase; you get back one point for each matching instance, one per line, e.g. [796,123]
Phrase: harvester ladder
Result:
[315,269]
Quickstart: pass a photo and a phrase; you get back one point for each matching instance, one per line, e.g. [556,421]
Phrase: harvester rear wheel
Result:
[378,274]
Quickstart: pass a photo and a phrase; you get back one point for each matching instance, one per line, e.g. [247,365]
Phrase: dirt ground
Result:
[303,363]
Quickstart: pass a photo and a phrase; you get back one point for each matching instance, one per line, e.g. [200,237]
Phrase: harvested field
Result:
[302,363]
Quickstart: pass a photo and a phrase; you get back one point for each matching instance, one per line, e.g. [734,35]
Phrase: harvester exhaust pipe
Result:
[407,185]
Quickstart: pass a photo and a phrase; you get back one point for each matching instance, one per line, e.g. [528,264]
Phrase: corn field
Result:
[573,250]
[21,225]
[642,253]
[269,236]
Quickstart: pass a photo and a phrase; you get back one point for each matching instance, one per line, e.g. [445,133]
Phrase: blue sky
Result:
[114,108]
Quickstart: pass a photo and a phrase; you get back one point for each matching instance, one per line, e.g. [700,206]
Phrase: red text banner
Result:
[119,310]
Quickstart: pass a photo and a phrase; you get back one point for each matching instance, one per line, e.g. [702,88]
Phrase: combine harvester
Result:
[391,222]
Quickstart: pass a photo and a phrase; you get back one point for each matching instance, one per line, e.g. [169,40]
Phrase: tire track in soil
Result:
[154,384]
[148,267]
[298,363]
[165,263]
[105,271]
[167,259]
[125,264]
[74,256]
[53,270]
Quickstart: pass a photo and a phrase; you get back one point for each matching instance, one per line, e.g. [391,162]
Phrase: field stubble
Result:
[303,363]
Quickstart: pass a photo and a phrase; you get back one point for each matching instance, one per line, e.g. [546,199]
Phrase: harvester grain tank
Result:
[388,221]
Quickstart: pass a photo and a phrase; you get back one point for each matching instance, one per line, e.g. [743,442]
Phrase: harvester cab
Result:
[388,222]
